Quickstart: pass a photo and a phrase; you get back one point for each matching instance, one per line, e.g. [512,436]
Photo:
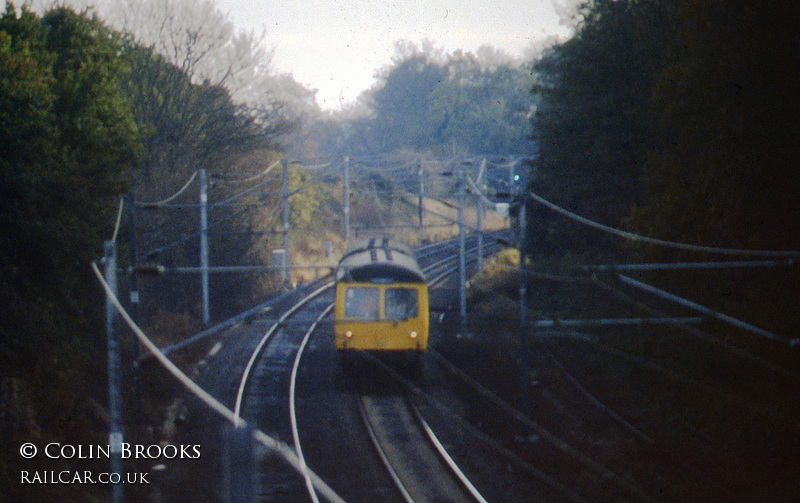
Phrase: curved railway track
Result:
[327,417]
[281,376]
[279,353]
[418,463]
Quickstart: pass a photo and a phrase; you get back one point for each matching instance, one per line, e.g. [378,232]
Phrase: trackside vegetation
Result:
[86,116]
[676,120]
[69,147]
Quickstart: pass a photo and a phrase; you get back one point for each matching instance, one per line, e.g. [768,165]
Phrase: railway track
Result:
[418,463]
[273,368]
[316,410]
[562,443]
[291,388]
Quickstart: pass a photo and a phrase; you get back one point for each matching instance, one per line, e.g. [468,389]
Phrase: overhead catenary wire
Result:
[653,367]
[542,431]
[709,338]
[452,220]
[503,181]
[281,449]
[321,170]
[214,226]
[655,241]
[263,173]
[478,192]
[705,311]
[119,220]
[679,377]
[681,323]
[172,197]
[166,201]
[638,433]
[323,166]
[227,202]
[508,165]
[675,375]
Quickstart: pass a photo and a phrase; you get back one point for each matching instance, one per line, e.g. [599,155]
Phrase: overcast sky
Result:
[335,46]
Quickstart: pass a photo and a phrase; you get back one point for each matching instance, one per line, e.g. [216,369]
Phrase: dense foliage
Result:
[69,142]
[186,126]
[678,114]
[68,145]
[724,169]
[428,101]
[677,120]
[87,115]
[593,120]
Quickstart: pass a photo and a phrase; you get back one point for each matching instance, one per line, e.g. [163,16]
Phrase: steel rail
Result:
[408,458]
[449,462]
[310,478]
[265,338]
[229,323]
[382,455]
[446,457]
[292,402]
[210,401]
[302,466]
[444,262]
[543,432]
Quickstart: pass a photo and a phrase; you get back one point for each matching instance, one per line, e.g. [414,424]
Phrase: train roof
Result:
[379,260]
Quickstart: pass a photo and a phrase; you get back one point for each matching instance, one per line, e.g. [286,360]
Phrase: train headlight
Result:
[348,334]
[413,334]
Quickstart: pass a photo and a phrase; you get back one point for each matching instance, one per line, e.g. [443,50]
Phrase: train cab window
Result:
[362,303]
[401,303]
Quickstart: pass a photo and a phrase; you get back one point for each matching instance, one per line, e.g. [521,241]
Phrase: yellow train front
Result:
[381,301]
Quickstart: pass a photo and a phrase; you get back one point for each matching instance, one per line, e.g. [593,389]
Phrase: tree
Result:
[202,42]
[725,171]
[401,102]
[429,100]
[69,143]
[678,120]
[483,105]
[187,125]
[593,125]
[68,146]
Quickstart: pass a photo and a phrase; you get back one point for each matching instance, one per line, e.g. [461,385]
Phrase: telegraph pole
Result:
[511,184]
[462,251]
[134,299]
[238,464]
[346,199]
[134,288]
[115,434]
[481,183]
[523,283]
[421,175]
[285,199]
[204,244]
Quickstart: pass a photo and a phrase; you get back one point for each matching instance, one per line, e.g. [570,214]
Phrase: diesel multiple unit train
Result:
[381,301]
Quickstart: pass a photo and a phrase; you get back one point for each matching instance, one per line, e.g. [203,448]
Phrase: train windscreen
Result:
[362,303]
[401,303]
